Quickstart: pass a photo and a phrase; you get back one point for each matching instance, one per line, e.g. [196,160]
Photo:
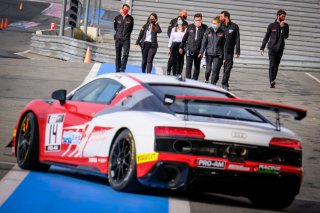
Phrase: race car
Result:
[167,132]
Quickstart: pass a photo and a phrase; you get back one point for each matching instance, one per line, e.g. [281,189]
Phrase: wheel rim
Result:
[24,139]
[120,160]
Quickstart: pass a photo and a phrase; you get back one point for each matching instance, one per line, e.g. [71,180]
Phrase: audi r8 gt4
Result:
[160,131]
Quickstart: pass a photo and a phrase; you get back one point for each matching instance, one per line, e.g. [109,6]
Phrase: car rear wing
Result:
[297,113]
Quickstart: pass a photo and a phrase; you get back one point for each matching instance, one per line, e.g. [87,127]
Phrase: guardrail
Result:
[66,48]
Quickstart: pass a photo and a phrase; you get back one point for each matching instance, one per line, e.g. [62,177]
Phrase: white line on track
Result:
[93,72]
[8,163]
[314,78]
[10,182]
[22,53]
[178,205]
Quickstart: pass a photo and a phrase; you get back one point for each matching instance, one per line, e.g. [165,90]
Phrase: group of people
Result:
[219,43]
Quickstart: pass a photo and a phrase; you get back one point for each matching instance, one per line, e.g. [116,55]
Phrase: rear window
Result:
[203,108]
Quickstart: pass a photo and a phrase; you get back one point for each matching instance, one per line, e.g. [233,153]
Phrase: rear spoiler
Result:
[297,113]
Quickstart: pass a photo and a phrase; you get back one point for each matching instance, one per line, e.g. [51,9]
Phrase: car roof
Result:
[160,79]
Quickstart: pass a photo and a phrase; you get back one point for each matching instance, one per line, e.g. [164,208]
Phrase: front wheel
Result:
[27,144]
[122,173]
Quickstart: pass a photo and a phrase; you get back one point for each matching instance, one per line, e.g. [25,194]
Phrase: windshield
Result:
[203,108]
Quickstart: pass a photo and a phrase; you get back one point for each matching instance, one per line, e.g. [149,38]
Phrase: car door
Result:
[67,123]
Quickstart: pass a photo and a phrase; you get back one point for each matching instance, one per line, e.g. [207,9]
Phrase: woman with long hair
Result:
[148,41]
[176,37]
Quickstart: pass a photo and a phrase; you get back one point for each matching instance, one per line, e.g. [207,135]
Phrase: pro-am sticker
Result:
[211,164]
[54,129]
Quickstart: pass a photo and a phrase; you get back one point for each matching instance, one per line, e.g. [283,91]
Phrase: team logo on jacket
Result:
[209,35]
[212,164]
[220,34]
[191,31]
[231,31]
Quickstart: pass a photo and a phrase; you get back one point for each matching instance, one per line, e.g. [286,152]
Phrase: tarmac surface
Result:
[22,80]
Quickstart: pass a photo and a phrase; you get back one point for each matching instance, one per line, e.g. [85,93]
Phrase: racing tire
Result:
[278,200]
[122,173]
[27,144]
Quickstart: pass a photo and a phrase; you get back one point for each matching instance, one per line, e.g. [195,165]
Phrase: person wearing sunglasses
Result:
[275,36]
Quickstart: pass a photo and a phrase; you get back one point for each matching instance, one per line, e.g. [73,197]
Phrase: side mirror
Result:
[60,95]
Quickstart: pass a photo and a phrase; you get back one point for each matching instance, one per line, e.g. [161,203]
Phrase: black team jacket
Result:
[232,34]
[277,35]
[143,34]
[189,41]
[123,27]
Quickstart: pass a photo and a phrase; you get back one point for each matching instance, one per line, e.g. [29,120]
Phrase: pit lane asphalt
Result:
[22,80]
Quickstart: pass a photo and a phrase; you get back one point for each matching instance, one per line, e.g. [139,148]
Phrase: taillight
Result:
[178,131]
[286,143]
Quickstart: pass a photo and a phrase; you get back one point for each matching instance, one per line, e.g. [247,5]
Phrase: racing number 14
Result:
[54,129]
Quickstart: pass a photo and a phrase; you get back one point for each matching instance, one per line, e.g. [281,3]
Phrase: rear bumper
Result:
[216,174]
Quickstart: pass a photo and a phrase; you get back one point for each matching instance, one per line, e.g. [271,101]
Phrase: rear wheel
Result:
[122,164]
[27,144]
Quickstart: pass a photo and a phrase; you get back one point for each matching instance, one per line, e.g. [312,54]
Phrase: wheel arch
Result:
[114,138]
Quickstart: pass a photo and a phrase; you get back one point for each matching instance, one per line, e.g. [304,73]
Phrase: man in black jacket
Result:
[191,42]
[123,26]
[232,34]
[184,14]
[277,32]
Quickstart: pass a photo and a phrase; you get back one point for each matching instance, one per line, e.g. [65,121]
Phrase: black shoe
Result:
[273,84]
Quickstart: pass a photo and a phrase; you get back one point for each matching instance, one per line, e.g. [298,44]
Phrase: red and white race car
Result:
[166,132]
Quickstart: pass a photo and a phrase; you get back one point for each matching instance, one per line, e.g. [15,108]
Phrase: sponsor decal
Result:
[54,128]
[93,160]
[239,167]
[71,137]
[269,169]
[14,133]
[147,157]
[212,164]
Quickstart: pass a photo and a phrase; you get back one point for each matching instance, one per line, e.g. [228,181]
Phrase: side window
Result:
[101,91]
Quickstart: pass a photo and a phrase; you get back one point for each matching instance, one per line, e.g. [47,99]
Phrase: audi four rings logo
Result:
[239,135]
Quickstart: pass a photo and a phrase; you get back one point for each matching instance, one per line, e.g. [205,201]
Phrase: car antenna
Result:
[278,124]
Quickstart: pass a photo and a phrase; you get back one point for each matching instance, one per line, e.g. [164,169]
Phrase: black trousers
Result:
[193,57]
[226,71]
[214,64]
[177,59]
[274,61]
[125,46]
[169,66]
[148,53]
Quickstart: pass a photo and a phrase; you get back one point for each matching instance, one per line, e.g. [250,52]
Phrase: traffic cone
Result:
[6,23]
[21,7]
[87,58]
[2,24]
